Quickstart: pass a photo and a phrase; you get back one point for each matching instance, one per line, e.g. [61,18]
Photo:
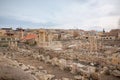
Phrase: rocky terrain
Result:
[30,63]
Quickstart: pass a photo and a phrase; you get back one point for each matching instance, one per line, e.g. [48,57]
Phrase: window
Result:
[86,37]
[13,38]
[3,39]
[8,39]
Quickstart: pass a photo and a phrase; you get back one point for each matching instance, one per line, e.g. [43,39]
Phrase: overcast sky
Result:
[66,14]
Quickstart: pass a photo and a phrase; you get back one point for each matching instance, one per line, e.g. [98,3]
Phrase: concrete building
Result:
[114,34]
[29,39]
[2,32]
[6,41]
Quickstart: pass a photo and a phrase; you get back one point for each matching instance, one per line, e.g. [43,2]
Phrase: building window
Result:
[13,38]
[86,37]
[2,39]
[8,39]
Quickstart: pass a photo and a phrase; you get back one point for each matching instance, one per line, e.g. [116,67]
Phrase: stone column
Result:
[41,37]
[93,44]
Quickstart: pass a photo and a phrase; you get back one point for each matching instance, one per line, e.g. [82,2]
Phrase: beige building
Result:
[44,38]
[6,41]
[2,32]
[114,34]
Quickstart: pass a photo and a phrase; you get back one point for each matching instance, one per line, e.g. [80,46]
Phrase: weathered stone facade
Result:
[44,38]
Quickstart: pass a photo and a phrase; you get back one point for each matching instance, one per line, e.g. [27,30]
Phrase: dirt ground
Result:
[28,60]
[55,70]
[51,69]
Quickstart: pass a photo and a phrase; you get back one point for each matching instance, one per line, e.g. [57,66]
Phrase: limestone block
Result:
[62,64]
[116,73]
[47,59]
[73,68]
[40,57]
[50,76]
[40,68]
[95,76]
[55,61]
[91,69]
[118,67]
[65,79]
[44,71]
[31,67]
[105,70]
[78,77]
[23,67]
[45,76]
[76,68]
[34,56]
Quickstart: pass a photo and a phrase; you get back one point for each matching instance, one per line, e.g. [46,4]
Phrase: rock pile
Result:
[10,71]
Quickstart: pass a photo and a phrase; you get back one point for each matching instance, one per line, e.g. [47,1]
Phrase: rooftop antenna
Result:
[103,30]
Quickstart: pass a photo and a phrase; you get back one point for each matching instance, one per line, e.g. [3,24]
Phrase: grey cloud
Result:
[59,12]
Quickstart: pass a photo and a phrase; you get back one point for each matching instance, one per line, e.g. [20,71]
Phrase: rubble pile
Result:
[9,70]
[82,65]
[63,64]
